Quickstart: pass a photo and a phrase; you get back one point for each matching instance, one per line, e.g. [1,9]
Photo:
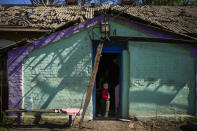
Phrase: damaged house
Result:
[47,56]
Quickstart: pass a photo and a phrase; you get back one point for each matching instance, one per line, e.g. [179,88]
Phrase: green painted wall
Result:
[57,75]
[123,30]
[160,77]
[162,81]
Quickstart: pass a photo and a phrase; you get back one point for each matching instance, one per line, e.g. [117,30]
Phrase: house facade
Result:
[157,80]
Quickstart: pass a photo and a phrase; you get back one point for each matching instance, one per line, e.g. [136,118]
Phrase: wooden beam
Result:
[22,29]
[4,82]
[15,45]
[91,84]
[146,39]
[1,88]
[32,111]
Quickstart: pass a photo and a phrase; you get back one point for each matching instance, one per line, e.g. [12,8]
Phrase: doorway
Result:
[109,71]
[110,67]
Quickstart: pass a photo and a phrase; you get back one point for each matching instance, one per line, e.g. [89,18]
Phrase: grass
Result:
[193,119]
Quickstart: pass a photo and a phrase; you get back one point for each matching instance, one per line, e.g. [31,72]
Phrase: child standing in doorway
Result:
[105,100]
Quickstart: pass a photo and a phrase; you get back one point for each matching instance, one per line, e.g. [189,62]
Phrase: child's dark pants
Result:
[103,106]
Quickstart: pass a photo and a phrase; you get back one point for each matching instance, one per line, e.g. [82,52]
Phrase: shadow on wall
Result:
[56,76]
[164,98]
[15,58]
[161,82]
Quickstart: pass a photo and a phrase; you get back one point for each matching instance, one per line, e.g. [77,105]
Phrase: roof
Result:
[4,43]
[179,19]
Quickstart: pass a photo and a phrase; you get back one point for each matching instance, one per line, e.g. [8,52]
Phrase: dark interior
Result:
[3,85]
[109,70]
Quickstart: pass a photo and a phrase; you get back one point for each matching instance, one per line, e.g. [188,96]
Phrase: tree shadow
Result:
[162,82]
[67,69]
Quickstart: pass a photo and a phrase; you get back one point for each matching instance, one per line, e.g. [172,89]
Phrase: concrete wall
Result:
[16,58]
[57,75]
[162,81]
[122,29]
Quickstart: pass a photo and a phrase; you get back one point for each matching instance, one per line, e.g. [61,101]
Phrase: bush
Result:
[7,121]
[193,119]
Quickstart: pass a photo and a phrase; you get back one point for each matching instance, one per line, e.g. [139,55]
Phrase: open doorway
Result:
[109,71]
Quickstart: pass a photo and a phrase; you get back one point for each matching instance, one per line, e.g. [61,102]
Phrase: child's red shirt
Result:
[105,94]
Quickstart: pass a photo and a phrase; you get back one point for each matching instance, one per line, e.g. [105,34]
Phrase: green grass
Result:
[193,119]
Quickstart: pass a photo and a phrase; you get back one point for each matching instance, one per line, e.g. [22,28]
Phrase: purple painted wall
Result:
[15,57]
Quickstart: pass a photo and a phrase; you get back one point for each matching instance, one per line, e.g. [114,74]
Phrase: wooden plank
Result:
[146,39]
[1,89]
[19,111]
[91,84]
[20,29]
[31,111]
[3,84]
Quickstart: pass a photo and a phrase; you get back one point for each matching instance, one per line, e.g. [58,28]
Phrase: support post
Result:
[196,86]
[70,120]
[18,118]
[125,84]
[91,84]
[1,89]
[3,84]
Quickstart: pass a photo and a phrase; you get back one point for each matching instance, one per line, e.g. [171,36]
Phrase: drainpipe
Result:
[125,84]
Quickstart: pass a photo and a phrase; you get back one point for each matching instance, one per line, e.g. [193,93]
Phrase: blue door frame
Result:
[107,49]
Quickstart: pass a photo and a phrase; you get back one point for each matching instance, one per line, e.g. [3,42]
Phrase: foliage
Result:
[6,120]
[167,2]
[161,2]
[101,2]
[193,119]
[45,2]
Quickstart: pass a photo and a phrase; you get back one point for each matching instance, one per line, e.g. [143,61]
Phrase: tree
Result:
[167,2]
[45,2]
[161,2]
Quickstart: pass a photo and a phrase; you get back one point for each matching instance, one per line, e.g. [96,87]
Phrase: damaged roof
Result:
[4,43]
[179,19]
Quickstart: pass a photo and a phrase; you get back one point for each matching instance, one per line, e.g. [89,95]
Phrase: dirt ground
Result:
[104,125]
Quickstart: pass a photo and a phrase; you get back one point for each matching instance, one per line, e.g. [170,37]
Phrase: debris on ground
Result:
[106,125]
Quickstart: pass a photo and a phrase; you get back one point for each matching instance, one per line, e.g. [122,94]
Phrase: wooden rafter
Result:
[146,39]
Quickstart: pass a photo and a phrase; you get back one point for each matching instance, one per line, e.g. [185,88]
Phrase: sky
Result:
[14,2]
